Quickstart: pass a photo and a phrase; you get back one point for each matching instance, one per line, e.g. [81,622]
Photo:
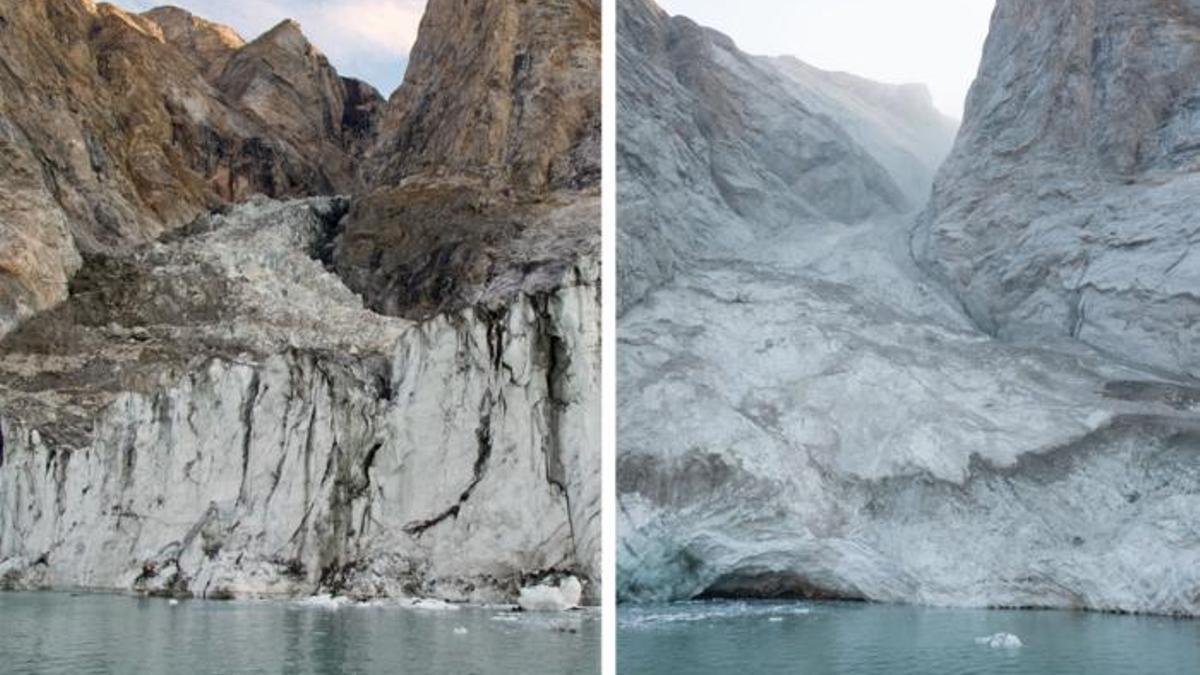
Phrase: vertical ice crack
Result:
[557,362]
[483,439]
[248,425]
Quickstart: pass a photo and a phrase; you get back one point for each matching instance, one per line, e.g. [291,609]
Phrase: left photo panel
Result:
[300,336]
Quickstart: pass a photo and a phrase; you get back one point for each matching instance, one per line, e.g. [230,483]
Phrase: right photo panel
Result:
[908,336]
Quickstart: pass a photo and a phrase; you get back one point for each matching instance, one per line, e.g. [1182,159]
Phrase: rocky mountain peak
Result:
[208,44]
[288,35]
[290,85]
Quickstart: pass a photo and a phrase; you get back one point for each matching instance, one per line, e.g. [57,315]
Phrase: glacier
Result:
[809,409]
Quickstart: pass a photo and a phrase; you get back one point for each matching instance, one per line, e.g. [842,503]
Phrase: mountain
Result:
[757,146]
[209,45]
[485,181]
[1067,206]
[286,82]
[113,134]
[222,403]
[811,414]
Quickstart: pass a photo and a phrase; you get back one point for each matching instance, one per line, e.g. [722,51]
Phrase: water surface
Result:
[63,633]
[745,638]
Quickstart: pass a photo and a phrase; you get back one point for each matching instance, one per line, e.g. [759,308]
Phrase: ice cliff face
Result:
[813,415]
[719,148]
[1068,206]
[254,403]
[218,415]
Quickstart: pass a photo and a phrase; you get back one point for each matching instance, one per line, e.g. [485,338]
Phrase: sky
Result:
[367,39]
[935,42]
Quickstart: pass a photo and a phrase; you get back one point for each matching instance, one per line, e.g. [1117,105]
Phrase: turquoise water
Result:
[56,633]
[861,639]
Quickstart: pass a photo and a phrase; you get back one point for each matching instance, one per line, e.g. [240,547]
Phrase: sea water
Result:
[744,638]
[64,633]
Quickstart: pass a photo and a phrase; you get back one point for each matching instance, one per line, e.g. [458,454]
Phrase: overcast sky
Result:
[367,39]
[937,42]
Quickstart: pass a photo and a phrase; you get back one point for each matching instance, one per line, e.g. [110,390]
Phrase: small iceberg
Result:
[431,605]
[325,602]
[1000,641]
[546,598]
[461,630]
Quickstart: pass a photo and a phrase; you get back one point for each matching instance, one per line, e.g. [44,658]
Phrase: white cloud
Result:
[388,26]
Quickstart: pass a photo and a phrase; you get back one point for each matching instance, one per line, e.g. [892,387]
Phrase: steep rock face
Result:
[362,110]
[485,180]
[286,82]
[503,91]
[217,415]
[110,134]
[755,146]
[810,415]
[1068,207]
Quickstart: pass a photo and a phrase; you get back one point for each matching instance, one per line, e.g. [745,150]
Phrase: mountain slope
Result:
[1068,205]
[218,413]
[113,134]
[736,147]
[811,415]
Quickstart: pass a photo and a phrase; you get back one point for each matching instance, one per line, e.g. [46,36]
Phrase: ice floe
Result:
[1000,641]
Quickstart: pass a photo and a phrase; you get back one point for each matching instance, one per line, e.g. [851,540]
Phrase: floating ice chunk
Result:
[172,602]
[461,630]
[545,598]
[433,605]
[775,619]
[1000,641]
[325,602]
